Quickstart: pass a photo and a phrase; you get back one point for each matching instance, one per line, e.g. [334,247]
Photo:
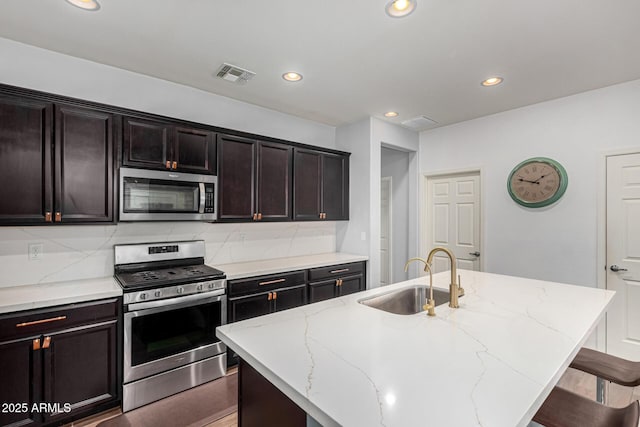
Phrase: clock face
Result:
[537,182]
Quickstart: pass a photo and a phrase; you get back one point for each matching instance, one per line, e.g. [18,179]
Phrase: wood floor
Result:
[574,380]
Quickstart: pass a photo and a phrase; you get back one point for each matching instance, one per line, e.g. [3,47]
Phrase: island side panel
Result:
[260,403]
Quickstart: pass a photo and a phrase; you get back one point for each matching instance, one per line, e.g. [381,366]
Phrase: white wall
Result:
[77,252]
[35,68]
[364,140]
[556,243]
[395,164]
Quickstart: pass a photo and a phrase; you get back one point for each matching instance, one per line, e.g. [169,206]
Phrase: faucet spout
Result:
[455,290]
[430,305]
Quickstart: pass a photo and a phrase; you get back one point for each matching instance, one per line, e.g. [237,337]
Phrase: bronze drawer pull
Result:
[37,322]
[174,165]
[47,217]
[36,344]
[270,297]
[46,342]
[168,164]
[58,217]
[342,270]
[271,282]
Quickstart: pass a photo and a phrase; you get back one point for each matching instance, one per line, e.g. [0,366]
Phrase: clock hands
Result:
[532,182]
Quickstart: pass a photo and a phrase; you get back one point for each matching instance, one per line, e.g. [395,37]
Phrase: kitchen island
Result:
[492,362]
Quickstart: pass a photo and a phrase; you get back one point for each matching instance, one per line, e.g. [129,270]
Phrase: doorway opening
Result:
[394,215]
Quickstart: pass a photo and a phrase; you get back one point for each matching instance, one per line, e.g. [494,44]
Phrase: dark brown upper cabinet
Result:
[83,165]
[26,133]
[64,176]
[254,178]
[152,144]
[321,185]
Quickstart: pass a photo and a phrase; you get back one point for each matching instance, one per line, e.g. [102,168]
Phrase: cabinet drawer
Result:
[340,270]
[42,321]
[266,283]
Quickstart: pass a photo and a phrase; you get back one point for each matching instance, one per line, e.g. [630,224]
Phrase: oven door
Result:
[166,334]
[147,195]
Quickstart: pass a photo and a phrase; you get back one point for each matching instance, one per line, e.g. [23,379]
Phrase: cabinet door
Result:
[335,186]
[83,165]
[274,181]
[290,297]
[194,150]
[307,184]
[21,381]
[146,144]
[26,190]
[351,285]
[247,307]
[80,368]
[320,291]
[236,178]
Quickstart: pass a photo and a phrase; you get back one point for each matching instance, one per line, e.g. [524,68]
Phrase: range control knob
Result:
[180,290]
[143,296]
[212,285]
[199,287]
[158,294]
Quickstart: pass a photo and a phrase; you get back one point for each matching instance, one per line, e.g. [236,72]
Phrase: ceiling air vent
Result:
[419,123]
[234,74]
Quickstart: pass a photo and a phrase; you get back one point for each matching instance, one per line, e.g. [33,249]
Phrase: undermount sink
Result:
[406,301]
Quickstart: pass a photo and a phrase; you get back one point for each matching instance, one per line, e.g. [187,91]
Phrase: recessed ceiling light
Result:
[391,114]
[85,4]
[292,76]
[492,81]
[400,8]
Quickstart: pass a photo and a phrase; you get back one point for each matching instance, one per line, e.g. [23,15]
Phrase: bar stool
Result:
[564,408]
[607,368]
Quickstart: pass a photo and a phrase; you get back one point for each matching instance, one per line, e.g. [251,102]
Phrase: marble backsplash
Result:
[83,252]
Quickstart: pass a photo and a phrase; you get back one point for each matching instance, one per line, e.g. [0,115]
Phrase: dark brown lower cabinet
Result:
[59,364]
[336,281]
[261,404]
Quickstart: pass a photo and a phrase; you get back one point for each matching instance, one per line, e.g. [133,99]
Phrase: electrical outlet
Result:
[36,251]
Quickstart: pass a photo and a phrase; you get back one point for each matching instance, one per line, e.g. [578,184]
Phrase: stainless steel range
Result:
[173,303]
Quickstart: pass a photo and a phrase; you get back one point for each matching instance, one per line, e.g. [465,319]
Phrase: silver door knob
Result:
[616,268]
[476,253]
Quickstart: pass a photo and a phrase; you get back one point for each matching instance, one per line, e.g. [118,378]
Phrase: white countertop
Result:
[280,265]
[18,298]
[492,362]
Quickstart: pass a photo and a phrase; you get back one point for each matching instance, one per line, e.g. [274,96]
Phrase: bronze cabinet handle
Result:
[47,217]
[47,342]
[259,217]
[36,344]
[271,282]
[174,165]
[270,297]
[168,164]
[38,322]
[342,270]
[275,295]
[255,216]
[58,217]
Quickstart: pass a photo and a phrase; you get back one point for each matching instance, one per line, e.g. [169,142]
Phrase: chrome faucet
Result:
[455,290]
[430,305]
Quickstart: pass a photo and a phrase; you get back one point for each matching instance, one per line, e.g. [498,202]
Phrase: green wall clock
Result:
[537,182]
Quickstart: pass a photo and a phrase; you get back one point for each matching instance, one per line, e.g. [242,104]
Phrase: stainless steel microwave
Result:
[149,195]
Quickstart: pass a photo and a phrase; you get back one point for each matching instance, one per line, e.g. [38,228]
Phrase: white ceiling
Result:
[356,60]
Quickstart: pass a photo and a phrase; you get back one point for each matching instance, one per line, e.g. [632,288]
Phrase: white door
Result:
[386,276]
[623,255]
[453,219]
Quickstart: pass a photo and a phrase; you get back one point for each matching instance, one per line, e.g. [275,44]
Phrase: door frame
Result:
[390,228]
[601,236]
[425,233]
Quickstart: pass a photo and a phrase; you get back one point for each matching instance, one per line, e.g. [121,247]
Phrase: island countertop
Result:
[492,362]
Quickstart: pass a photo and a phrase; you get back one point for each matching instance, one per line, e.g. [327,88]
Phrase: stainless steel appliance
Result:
[173,303]
[149,195]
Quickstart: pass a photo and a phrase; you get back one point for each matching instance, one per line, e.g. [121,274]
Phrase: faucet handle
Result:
[460,289]
[430,307]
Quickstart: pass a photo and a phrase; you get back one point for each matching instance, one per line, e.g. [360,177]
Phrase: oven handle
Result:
[180,301]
